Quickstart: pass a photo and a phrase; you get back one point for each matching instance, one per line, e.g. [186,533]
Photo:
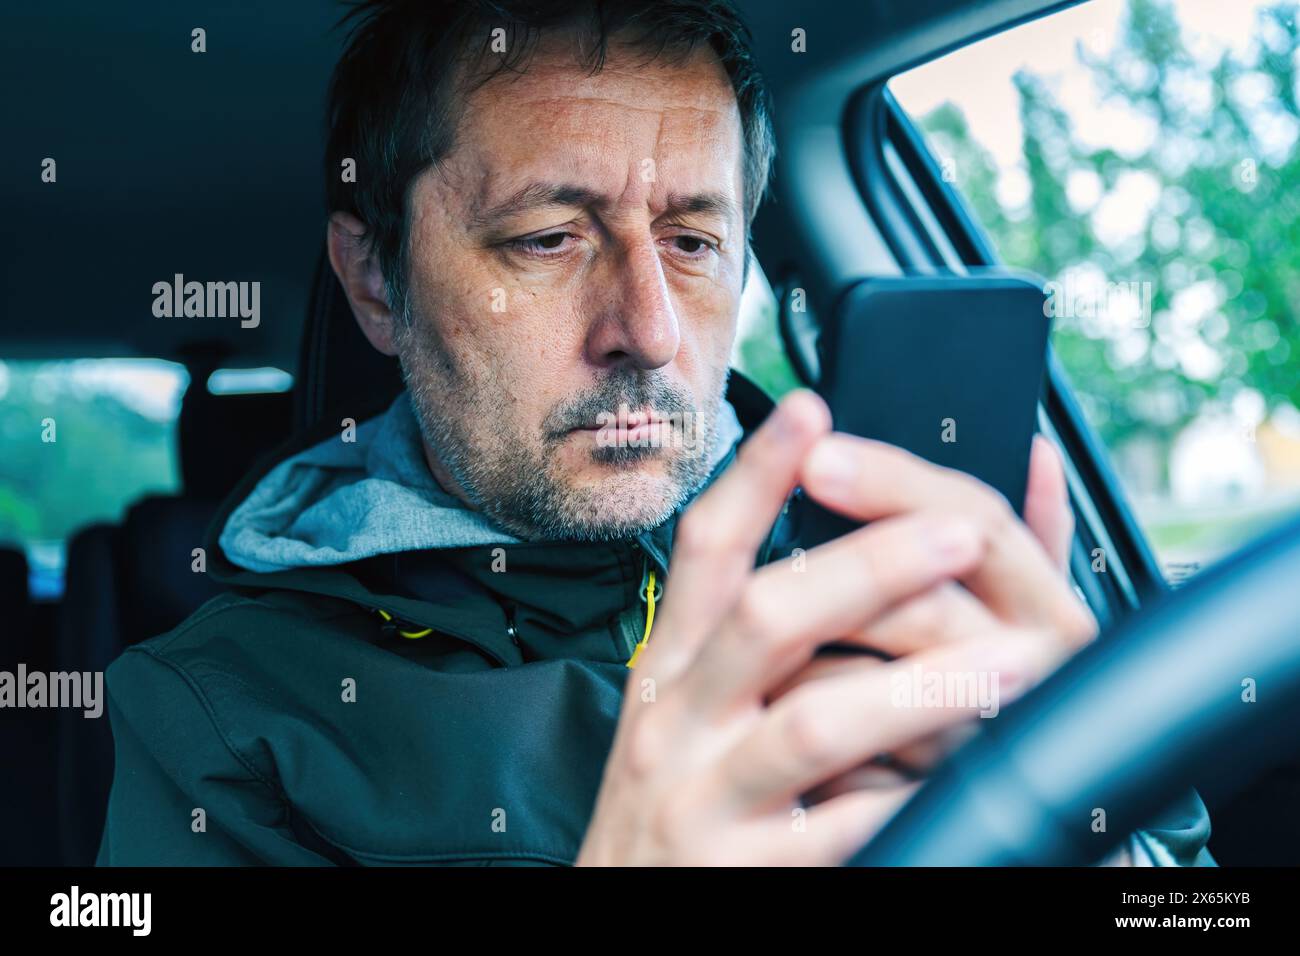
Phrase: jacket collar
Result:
[442,589]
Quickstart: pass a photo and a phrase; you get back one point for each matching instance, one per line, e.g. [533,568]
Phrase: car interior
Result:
[216,173]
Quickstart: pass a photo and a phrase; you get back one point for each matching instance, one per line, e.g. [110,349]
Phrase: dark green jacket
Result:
[290,722]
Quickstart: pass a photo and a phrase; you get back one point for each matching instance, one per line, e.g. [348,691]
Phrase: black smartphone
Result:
[950,368]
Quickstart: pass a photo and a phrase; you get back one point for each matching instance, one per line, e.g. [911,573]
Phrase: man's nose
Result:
[637,324]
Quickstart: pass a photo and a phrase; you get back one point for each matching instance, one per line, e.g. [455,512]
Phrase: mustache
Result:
[636,391]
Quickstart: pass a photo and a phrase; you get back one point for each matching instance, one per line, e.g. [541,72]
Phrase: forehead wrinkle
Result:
[553,64]
[635,106]
[556,100]
[665,132]
[672,123]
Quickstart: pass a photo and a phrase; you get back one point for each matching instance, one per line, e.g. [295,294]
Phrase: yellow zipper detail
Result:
[649,619]
[411,634]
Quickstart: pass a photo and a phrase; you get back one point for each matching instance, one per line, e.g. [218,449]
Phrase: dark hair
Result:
[394,94]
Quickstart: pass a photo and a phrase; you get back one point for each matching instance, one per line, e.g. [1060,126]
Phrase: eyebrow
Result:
[541,195]
[533,196]
[706,202]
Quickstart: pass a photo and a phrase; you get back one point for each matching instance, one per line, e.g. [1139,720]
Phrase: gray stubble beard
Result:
[513,481]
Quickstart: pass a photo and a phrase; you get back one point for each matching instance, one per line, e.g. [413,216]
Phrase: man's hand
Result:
[706,768]
[949,612]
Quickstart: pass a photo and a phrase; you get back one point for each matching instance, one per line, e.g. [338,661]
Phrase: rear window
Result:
[80,440]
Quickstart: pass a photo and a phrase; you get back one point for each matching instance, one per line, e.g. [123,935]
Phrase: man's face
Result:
[576,261]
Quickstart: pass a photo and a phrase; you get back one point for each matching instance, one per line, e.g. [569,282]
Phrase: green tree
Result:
[1227,220]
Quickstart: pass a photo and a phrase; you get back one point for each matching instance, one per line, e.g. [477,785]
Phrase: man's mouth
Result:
[630,420]
[643,426]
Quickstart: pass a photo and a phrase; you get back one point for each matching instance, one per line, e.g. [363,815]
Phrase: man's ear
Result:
[362,280]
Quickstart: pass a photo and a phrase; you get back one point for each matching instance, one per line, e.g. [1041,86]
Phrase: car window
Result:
[758,350]
[1144,158]
[80,440]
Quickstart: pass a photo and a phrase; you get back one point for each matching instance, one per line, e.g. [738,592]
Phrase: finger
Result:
[825,727]
[868,776]
[906,763]
[868,480]
[924,755]
[909,762]
[791,606]
[921,756]
[829,833]
[821,667]
[1047,502]
[943,614]
[716,541]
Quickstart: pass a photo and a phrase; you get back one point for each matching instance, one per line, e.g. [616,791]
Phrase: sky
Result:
[978,78]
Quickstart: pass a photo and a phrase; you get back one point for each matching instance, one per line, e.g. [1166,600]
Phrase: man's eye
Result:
[692,246]
[549,244]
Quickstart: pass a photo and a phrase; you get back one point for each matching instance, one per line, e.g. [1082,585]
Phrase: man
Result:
[427,653]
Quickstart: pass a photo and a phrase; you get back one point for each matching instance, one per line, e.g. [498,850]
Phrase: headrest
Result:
[13,579]
[222,435]
[340,375]
[157,587]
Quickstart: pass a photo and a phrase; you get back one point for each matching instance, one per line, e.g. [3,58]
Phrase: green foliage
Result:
[105,456]
[1228,219]
[761,354]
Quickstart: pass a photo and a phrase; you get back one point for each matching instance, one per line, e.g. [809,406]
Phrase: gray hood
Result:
[341,501]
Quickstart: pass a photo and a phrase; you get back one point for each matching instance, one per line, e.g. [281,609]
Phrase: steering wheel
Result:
[1208,676]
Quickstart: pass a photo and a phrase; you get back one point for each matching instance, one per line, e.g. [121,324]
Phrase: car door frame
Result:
[929,227]
[858,194]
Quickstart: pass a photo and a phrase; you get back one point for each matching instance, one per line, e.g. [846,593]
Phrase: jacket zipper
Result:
[632,622]
[649,592]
